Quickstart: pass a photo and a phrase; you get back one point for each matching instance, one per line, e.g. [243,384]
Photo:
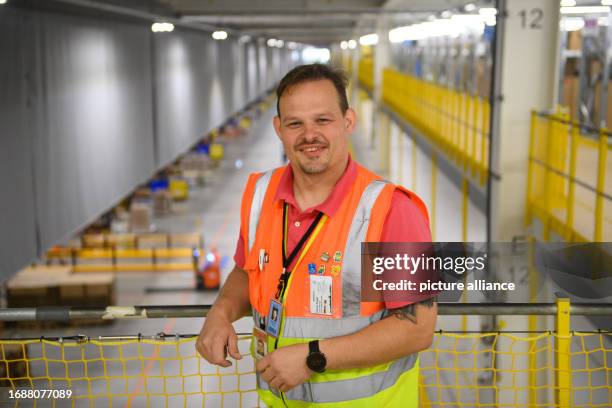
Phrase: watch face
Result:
[316,362]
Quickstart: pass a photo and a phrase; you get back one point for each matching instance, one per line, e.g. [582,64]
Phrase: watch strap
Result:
[313,347]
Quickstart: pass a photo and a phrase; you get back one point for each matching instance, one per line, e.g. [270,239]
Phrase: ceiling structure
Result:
[317,22]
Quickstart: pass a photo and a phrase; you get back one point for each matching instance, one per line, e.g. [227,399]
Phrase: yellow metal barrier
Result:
[456,122]
[365,73]
[459,370]
[569,187]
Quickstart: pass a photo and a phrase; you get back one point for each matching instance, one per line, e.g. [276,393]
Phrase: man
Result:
[299,253]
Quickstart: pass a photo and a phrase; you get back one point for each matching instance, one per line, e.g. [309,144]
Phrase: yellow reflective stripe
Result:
[403,394]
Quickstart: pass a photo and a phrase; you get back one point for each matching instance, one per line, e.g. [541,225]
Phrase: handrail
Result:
[70,313]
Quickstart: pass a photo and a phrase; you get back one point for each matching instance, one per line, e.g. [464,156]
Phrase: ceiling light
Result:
[244,39]
[271,42]
[572,24]
[469,7]
[369,39]
[585,10]
[291,45]
[606,2]
[487,11]
[352,44]
[219,35]
[568,3]
[162,27]
[344,45]
[2,1]
[446,14]
[280,43]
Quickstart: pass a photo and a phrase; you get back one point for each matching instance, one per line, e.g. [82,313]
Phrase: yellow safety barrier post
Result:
[532,323]
[601,175]
[562,354]
[572,183]
[530,165]
[432,210]
[465,189]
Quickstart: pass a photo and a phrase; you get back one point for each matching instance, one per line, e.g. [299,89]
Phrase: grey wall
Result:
[17,226]
[90,107]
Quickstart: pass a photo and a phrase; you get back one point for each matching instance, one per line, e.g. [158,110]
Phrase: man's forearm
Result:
[396,336]
[233,300]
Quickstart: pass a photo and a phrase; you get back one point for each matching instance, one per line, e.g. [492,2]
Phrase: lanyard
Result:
[284,278]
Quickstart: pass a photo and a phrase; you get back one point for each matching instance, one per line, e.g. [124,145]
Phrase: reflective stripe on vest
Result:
[341,390]
[261,186]
[351,268]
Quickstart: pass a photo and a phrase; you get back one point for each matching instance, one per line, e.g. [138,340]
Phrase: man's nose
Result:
[310,132]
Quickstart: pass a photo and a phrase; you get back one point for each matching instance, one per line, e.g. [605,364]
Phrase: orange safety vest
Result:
[360,218]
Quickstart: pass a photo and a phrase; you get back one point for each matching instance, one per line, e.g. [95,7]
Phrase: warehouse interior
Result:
[128,130]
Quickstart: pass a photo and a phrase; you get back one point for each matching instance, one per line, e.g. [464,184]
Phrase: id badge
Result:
[320,295]
[274,318]
[261,343]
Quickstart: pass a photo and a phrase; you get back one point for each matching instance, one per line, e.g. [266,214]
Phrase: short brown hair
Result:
[314,72]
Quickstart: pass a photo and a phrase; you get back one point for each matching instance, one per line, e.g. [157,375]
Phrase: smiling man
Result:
[298,268]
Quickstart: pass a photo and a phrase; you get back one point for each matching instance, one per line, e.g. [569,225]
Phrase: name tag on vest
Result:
[320,295]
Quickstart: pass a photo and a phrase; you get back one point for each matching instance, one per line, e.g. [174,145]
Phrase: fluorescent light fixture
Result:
[162,27]
[487,11]
[219,35]
[572,24]
[280,43]
[344,45]
[568,3]
[606,2]
[446,14]
[2,1]
[369,39]
[585,10]
[469,7]
[271,42]
[352,44]
[292,45]
[311,55]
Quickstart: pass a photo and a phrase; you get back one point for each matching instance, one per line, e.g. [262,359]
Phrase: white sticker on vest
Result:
[320,294]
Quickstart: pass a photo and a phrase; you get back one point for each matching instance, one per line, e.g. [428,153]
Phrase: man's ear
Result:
[277,124]
[350,120]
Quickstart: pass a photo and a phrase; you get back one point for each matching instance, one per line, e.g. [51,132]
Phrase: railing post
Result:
[601,175]
[563,373]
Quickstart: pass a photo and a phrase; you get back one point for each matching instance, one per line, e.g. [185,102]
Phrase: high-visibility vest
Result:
[359,218]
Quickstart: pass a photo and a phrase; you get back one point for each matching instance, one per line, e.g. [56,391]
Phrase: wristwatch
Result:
[316,360]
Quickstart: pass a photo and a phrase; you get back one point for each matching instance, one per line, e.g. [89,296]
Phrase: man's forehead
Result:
[302,96]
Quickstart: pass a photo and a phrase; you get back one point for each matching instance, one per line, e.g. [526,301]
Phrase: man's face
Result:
[312,128]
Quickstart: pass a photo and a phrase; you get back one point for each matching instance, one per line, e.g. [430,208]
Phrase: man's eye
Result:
[293,124]
[323,120]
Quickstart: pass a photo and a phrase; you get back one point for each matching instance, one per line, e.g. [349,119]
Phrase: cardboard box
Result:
[574,40]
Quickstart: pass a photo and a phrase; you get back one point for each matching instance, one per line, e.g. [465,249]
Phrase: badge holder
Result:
[274,318]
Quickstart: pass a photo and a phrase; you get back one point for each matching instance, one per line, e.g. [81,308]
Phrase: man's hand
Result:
[218,338]
[285,368]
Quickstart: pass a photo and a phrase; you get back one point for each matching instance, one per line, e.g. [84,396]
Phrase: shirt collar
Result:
[332,203]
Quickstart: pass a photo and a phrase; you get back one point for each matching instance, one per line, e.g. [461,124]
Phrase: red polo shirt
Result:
[404,223]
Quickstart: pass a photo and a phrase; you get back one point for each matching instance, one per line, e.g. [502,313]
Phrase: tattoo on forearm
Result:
[408,312]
